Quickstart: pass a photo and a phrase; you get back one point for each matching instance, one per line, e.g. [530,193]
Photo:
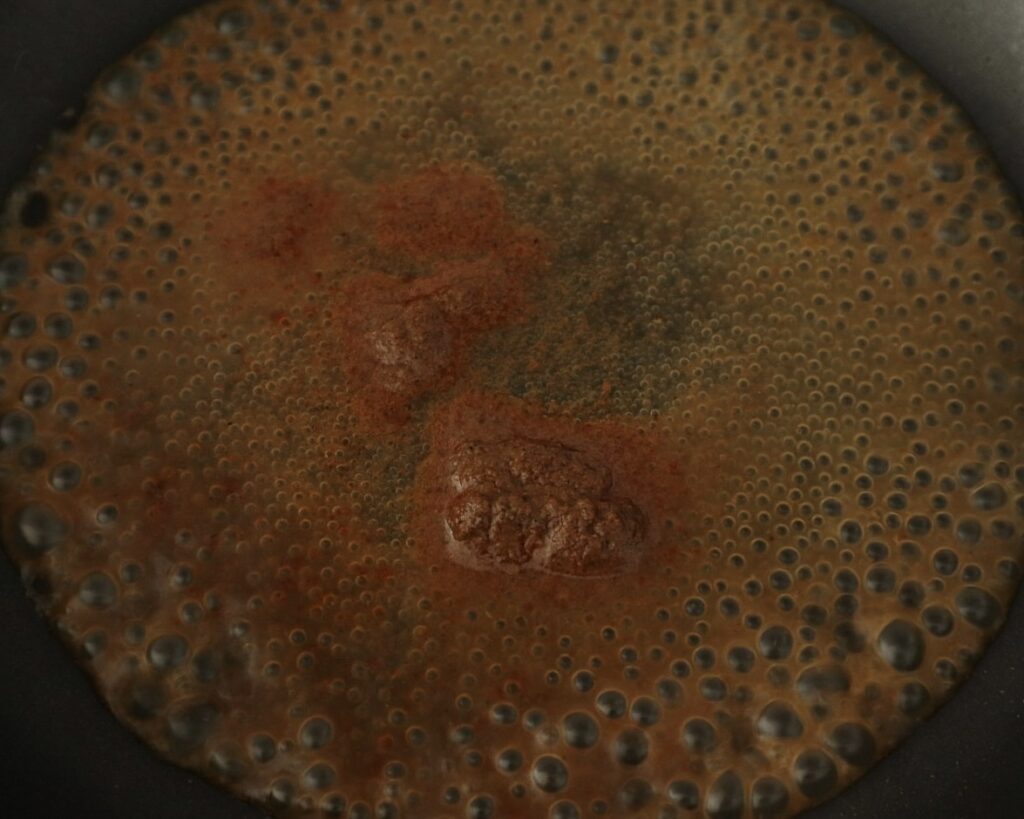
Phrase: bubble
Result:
[227,763]
[913,699]
[550,774]
[40,529]
[741,659]
[635,794]
[699,735]
[988,497]
[947,171]
[880,580]
[775,643]
[901,645]
[852,743]
[611,703]
[58,325]
[510,760]
[945,561]
[779,721]
[848,637]
[191,724]
[233,21]
[768,797]
[684,794]
[13,270]
[480,807]
[631,746]
[844,26]
[21,325]
[645,711]
[315,733]
[41,358]
[121,83]
[262,748]
[37,392]
[583,681]
[94,643]
[712,688]
[669,691]
[968,530]
[106,514]
[564,809]
[978,607]
[504,714]
[98,590]
[67,269]
[953,232]
[850,532]
[725,798]
[814,773]
[333,804]
[167,652]
[938,620]
[389,810]
[145,699]
[16,428]
[822,680]
[282,791]
[694,607]
[534,719]
[580,730]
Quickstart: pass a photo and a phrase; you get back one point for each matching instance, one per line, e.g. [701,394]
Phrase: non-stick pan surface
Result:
[61,751]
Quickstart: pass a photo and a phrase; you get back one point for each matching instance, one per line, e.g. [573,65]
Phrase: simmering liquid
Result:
[517,409]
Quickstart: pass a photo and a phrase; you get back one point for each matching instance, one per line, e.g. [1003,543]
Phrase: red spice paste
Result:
[405,337]
[510,491]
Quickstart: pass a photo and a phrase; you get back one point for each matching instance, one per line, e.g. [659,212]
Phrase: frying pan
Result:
[63,754]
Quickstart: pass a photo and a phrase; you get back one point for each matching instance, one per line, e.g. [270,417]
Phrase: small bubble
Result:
[635,794]
[769,797]
[67,269]
[121,83]
[684,794]
[779,721]
[580,730]
[316,732]
[550,774]
[40,529]
[901,645]
[978,607]
[631,747]
[98,590]
[233,21]
[167,652]
[725,799]
[699,735]
[953,232]
[853,743]
[509,761]
[814,773]
[611,703]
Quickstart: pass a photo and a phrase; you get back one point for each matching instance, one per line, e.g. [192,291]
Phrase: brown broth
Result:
[517,409]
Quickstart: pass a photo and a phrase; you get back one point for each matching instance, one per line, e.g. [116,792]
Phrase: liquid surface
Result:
[540,409]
